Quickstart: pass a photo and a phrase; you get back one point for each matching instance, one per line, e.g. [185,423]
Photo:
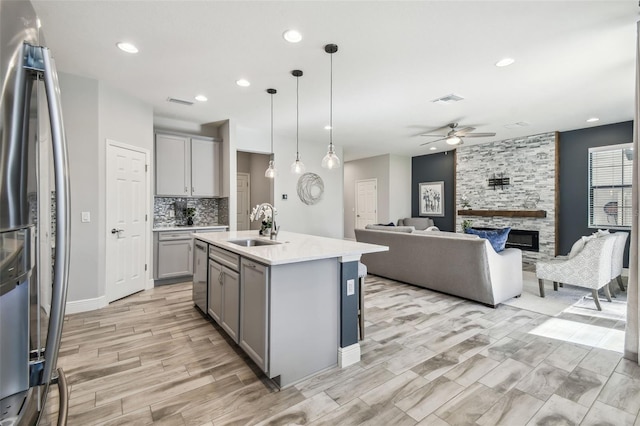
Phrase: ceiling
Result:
[574,60]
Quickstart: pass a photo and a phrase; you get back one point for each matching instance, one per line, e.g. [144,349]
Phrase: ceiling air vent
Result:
[179,101]
[449,99]
[516,125]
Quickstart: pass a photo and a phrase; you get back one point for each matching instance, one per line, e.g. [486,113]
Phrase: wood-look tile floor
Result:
[427,359]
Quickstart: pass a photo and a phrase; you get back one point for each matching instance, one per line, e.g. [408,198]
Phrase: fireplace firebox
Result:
[522,239]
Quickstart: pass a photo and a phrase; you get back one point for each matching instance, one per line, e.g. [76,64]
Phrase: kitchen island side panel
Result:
[304,319]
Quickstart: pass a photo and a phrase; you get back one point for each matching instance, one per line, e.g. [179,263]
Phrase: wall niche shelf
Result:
[505,213]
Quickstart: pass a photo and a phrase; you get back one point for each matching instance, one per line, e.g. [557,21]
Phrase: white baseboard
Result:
[349,355]
[85,305]
[150,284]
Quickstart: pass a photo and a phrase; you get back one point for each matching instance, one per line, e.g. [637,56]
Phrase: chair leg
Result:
[560,285]
[620,284]
[361,303]
[555,286]
[594,292]
[612,290]
[607,294]
[541,285]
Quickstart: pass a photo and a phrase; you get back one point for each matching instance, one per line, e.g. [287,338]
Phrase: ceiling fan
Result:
[454,137]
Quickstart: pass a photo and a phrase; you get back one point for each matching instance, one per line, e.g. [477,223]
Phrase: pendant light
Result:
[331,160]
[297,167]
[271,171]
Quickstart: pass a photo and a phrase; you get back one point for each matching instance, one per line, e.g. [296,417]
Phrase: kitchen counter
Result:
[291,247]
[188,228]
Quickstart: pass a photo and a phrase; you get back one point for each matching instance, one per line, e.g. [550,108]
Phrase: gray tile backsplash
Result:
[209,211]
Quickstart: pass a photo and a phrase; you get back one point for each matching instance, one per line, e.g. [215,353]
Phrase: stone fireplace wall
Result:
[530,164]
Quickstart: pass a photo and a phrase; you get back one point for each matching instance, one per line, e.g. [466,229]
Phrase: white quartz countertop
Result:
[292,247]
[188,228]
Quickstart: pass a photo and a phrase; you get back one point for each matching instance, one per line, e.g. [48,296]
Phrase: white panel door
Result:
[366,202]
[243,182]
[126,222]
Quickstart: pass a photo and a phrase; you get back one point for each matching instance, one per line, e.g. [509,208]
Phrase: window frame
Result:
[621,186]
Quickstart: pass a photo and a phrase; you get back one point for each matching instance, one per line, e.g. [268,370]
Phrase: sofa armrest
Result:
[505,269]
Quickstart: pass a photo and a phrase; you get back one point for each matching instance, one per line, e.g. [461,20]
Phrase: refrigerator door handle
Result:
[61,266]
[63,404]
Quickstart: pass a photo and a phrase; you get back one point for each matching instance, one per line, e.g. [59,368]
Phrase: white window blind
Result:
[610,169]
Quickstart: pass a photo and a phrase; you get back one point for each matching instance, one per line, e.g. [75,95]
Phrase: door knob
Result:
[116,231]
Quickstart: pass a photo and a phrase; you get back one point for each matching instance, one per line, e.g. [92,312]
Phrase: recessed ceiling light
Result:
[433,148]
[592,119]
[127,47]
[201,98]
[292,36]
[243,83]
[327,127]
[505,62]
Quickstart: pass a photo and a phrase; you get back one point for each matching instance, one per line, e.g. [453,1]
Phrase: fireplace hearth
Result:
[522,239]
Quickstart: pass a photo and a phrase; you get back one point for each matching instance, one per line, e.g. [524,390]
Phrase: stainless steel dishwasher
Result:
[200,267]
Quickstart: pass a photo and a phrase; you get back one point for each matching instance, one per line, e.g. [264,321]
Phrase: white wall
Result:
[393,174]
[94,112]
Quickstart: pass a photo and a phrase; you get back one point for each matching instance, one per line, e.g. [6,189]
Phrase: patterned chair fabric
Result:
[591,268]
[617,261]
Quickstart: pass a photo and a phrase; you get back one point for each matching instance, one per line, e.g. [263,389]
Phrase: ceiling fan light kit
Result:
[271,171]
[455,136]
[331,160]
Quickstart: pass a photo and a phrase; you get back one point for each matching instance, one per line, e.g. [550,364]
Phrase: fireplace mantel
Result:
[505,213]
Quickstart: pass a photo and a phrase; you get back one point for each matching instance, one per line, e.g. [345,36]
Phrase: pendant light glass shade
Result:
[271,171]
[331,160]
[297,167]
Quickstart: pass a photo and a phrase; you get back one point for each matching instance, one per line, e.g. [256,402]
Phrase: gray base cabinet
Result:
[254,313]
[175,255]
[224,296]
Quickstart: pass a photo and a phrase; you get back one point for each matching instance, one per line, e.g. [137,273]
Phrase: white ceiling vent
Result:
[516,125]
[179,101]
[449,99]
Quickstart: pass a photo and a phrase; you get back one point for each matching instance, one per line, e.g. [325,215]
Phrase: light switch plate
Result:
[86,217]
[351,287]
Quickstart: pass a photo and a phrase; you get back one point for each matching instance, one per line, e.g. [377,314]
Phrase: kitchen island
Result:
[291,304]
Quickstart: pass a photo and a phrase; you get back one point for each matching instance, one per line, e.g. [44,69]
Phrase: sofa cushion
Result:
[419,223]
[497,238]
[445,234]
[407,229]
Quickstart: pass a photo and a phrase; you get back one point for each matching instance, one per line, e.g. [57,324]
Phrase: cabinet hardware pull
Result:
[220,278]
[250,265]
[185,189]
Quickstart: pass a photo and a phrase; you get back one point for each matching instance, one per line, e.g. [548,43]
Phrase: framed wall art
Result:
[431,196]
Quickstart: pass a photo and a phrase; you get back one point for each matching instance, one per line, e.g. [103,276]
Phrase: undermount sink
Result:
[253,242]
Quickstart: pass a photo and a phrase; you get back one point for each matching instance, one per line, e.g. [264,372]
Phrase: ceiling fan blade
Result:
[479,135]
[437,140]
[462,132]
[431,136]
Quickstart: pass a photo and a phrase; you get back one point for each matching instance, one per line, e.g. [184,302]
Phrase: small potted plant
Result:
[466,224]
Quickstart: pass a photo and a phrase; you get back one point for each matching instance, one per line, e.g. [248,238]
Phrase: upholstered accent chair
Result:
[590,268]
[618,257]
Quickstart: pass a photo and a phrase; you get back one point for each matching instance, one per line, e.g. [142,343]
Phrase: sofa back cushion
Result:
[497,238]
[419,223]
[407,229]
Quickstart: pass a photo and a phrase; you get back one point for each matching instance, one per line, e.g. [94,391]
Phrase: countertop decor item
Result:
[271,171]
[310,188]
[297,167]
[331,160]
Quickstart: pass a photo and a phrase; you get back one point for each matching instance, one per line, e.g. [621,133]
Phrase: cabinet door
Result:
[231,303]
[254,290]
[173,158]
[205,170]
[200,265]
[215,291]
[175,258]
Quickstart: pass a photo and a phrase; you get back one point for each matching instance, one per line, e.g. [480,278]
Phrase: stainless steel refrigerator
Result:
[34,264]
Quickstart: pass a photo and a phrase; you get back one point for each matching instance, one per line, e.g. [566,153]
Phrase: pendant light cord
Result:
[272,126]
[297,115]
[331,104]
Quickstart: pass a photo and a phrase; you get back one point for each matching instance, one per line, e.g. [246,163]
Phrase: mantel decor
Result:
[504,213]
[431,196]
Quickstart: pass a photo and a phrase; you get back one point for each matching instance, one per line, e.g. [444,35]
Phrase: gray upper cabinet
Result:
[254,311]
[187,166]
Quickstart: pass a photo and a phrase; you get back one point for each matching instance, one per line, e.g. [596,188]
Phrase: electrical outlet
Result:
[351,287]
[172,213]
[86,217]
[284,196]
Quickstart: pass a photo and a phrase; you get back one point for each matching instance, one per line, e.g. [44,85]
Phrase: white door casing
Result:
[366,202]
[243,192]
[127,192]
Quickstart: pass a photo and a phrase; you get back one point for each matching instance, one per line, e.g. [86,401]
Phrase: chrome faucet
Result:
[261,208]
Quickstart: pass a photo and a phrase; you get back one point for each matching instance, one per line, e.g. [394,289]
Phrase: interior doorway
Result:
[244,190]
[260,189]
[366,202]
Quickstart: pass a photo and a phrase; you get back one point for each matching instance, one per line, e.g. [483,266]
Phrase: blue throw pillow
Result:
[497,238]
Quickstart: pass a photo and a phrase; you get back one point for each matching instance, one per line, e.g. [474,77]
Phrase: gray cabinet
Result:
[174,257]
[224,291]
[187,166]
[200,270]
[254,291]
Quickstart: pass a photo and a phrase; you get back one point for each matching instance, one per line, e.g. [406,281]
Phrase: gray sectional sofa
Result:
[457,264]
